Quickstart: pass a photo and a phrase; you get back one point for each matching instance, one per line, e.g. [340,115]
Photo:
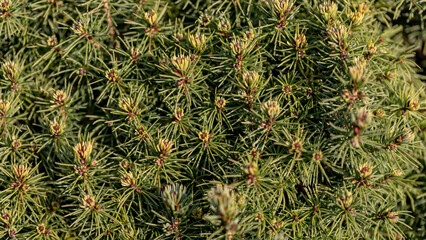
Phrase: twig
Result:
[109,20]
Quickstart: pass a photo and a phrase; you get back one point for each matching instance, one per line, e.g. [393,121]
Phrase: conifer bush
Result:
[212,119]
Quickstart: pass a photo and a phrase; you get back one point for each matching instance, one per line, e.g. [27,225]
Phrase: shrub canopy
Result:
[195,119]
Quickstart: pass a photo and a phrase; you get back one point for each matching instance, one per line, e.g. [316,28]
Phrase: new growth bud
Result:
[251,171]
[56,128]
[238,47]
[80,29]
[128,180]
[164,147]
[392,216]
[357,73]
[220,103]
[358,15]
[151,17]
[141,133]
[371,51]
[329,11]
[129,106]
[204,19]
[134,54]
[296,146]
[20,173]
[10,70]
[178,114]
[174,198]
[226,206]
[82,151]
[413,105]
[224,25]
[41,229]
[60,97]
[380,112]
[272,109]
[182,63]
[397,172]
[282,8]
[365,170]
[345,200]
[251,81]
[249,35]
[300,43]
[282,5]
[16,143]
[317,157]
[204,136]
[197,41]
[362,119]
[51,41]
[5,6]
[4,107]
[112,76]
[90,203]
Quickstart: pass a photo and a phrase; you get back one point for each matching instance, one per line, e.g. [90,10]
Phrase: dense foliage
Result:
[195,119]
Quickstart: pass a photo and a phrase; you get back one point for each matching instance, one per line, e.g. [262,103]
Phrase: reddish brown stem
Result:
[109,19]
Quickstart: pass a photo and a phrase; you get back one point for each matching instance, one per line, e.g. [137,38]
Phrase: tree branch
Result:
[109,19]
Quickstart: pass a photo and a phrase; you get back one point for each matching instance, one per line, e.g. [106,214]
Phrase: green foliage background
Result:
[217,119]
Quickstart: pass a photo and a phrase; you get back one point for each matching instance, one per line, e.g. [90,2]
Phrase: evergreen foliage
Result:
[212,119]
